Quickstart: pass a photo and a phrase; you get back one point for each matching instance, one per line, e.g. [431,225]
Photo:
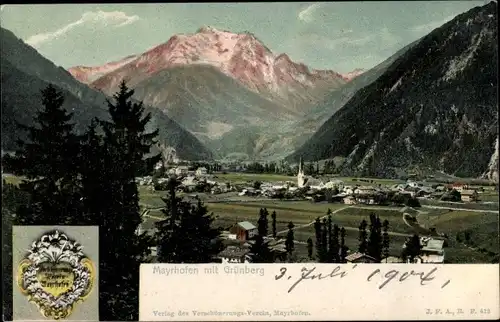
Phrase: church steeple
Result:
[300,175]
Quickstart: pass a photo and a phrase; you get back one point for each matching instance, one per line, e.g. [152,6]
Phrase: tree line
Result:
[330,244]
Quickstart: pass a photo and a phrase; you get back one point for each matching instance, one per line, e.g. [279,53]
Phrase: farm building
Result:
[181,170]
[458,186]
[202,171]
[234,254]
[244,230]
[469,195]
[432,250]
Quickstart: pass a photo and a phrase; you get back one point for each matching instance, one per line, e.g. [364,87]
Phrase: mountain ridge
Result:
[458,64]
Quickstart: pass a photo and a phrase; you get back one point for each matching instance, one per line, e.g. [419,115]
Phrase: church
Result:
[307,181]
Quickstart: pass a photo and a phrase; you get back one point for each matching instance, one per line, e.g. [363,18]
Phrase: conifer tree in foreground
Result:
[362,238]
[273,217]
[385,239]
[289,242]
[324,238]
[412,249]
[375,238]
[187,234]
[321,248]
[336,244]
[330,237]
[263,222]
[343,247]
[260,251]
[94,176]
[310,248]
[125,145]
[48,161]
[12,199]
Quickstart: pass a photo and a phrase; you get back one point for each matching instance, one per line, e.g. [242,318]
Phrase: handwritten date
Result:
[308,274]
[339,272]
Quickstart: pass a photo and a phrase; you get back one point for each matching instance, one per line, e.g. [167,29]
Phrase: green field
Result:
[151,198]
[489,196]
[246,177]
[367,181]
[238,177]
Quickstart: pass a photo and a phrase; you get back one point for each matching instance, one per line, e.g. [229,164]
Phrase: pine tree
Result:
[126,143]
[260,251]
[273,217]
[331,255]
[12,199]
[324,240]
[187,234]
[310,248]
[262,223]
[375,238]
[336,245]
[289,243]
[362,238]
[48,160]
[412,249]
[321,251]
[266,222]
[343,247]
[169,233]
[94,176]
[385,239]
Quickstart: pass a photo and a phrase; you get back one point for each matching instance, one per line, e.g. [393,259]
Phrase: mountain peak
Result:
[241,56]
[210,29]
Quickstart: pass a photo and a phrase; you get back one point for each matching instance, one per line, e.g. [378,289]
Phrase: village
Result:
[238,238]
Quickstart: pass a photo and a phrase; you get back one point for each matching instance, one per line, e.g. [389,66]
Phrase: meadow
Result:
[239,177]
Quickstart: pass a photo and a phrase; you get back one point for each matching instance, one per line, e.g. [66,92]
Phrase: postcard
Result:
[250,161]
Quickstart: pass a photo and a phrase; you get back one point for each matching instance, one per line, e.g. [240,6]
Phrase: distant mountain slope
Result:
[25,72]
[435,107]
[212,106]
[301,130]
[21,98]
[240,56]
[200,96]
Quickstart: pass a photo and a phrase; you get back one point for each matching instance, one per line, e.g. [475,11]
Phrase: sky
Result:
[340,36]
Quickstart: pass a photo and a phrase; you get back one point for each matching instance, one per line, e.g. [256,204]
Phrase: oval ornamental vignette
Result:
[55,275]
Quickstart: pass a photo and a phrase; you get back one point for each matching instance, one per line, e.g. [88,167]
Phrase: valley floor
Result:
[482,224]
[479,221]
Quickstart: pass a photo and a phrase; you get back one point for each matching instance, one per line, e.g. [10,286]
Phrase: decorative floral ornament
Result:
[55,275]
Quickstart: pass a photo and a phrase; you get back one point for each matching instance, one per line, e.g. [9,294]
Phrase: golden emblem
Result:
[56,275]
